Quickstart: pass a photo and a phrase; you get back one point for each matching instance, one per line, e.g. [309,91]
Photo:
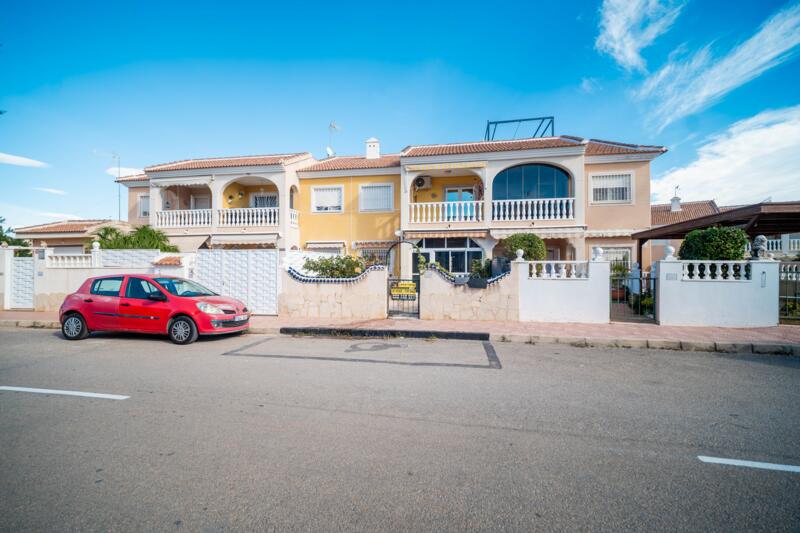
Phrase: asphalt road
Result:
[265,433]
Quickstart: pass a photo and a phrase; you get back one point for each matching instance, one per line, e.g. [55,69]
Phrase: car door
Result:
[138,312]
[102,303]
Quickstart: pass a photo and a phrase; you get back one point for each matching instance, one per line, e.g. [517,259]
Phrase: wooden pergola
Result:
[768,218]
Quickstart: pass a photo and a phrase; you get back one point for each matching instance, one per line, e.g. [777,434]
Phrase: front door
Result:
[102,303]
[137,312]
[458,211]
[202,201]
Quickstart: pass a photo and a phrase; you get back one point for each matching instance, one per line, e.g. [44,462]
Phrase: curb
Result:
[760,348]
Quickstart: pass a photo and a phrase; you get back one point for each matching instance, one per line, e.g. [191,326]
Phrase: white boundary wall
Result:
[574,296]
[734,303]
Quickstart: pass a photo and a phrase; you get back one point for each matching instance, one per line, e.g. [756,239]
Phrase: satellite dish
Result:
[330,151]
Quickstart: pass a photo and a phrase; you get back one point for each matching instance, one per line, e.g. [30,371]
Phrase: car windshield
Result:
[183,287]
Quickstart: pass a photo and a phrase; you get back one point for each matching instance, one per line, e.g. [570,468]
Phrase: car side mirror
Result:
[156,297]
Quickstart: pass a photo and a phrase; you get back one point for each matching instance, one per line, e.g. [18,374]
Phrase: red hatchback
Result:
[177,307]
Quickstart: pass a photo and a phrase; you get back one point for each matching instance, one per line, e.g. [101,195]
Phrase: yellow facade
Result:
[351,224]
[439,184]
[237,196]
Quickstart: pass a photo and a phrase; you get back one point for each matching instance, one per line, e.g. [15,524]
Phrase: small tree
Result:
[716,244]
[532,246]
[143,237]
[6,237]
[338,266]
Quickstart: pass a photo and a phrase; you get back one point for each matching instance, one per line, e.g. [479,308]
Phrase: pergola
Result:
[768,218]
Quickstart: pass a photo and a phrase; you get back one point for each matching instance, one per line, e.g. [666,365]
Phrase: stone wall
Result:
[361,298]
[440,299]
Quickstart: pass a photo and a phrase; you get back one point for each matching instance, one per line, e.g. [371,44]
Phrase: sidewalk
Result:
[781,339]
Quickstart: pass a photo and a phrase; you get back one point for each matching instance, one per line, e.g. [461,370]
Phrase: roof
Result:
[661,214]
[168,260]
[135,177]
[593,146]
[221,162]
[767,218]
[351,162]
[64,226]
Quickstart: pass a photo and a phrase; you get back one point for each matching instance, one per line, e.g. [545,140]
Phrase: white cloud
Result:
[628,26]
[20,161]
[589,85]
[59,216]
[58,192]
[124,171]
[690,83]
[753,159]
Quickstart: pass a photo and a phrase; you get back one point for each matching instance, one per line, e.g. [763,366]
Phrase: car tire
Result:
[182,330]
[74,327]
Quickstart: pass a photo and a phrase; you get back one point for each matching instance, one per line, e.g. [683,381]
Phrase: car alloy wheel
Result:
[181,330]
[73,327]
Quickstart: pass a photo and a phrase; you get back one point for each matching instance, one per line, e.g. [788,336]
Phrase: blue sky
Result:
[160,81]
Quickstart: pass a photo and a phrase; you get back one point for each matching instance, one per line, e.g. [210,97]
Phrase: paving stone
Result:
[572,341]
[515,337]
[661,344]
[631,343]
[777,349]
[698,346]
[734,347]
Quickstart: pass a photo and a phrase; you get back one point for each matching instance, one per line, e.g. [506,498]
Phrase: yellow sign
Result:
[403,290]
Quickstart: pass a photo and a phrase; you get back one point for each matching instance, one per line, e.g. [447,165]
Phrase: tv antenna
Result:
[333,127]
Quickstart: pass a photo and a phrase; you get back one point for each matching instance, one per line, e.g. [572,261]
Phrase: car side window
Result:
[106,286]
[139,288]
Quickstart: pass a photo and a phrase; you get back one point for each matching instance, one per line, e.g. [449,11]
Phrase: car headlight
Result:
[209,308]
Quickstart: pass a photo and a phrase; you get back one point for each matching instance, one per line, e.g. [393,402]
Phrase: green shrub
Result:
[716,244]
[619,269]
[144,237]
[532,246]
[338,266]
[481,268]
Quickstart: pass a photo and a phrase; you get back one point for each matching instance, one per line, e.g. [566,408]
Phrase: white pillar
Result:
[487,196]
[156,204]
[6,253]
[406,259]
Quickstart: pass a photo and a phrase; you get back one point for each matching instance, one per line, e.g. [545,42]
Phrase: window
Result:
[183,287]
[327,199]
[377,255]
[139,288]
[611,188]
[376,197]
[200,201]
[106,286]
[618,255]
[264,199]
[530,181]
[455,254]
[144,205]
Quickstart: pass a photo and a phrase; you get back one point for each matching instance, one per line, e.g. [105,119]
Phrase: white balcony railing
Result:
[558,269]
[533,209]
[432,212]
[248,216]
[183,218]
[69,261]
[715,271]
[293,218]
[776,245]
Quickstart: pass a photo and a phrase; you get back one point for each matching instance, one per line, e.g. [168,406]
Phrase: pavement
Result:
[260,432]
[784,339]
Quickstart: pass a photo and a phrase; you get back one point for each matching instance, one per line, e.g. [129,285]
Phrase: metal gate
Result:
[403,297]
[247,275]
[22,283]
[789,292]
[633,297]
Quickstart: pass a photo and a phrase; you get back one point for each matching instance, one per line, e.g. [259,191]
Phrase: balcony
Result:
[522,210]
[223,218]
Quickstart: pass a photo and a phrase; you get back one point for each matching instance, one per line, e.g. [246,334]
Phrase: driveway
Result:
[275,433]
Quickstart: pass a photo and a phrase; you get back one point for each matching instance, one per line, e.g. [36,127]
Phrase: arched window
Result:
[531,181]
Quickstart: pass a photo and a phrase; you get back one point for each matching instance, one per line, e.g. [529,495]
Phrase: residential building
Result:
[454,202]
[66,236]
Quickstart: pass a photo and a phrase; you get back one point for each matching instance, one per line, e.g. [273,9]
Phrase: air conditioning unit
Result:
[422,182]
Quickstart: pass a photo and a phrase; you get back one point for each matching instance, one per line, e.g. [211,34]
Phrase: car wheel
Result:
[182,330]
[74,327]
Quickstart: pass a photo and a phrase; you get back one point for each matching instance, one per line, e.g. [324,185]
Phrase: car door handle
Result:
[123,304]
[88,300]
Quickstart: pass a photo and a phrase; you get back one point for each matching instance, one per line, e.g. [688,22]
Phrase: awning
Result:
[188,243]
[565,232]
[325,245]
[372,244]
[472,234]
[267,240]
[180,182]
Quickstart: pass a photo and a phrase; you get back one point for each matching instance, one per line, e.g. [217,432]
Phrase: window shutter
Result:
[611,188]
[377,197]
[328,199]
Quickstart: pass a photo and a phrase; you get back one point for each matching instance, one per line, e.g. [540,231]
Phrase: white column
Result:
[579,243]
[216,188]
[156,204]
[785,238]
[6,253]
[579,192]
[487,196]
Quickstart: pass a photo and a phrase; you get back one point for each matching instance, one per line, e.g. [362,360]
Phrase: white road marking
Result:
[750,464]
[67,393]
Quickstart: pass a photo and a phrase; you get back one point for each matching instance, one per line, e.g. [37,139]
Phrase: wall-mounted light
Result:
[230,198]
[241,195]
[167,205]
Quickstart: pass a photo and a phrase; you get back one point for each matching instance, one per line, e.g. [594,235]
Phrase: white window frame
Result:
[193,200]
[361,196]
[609,248]
[139,204]
[631,194]
[314,199]
[254,195]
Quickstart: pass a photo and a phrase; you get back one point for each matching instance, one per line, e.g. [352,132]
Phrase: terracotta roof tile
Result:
[169,260]
[221,162]
[64,226]
[593,146]
[354,162]
[660,214]
[135,177]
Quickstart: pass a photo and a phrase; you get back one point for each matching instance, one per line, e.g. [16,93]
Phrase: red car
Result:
[178,307]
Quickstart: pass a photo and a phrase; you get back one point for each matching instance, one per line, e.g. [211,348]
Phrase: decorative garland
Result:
[302,278]
[498,277]
[451,278]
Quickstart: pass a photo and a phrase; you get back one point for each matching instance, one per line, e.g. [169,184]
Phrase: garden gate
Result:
[403,298]
[789,292]
[633,296]
[22,283]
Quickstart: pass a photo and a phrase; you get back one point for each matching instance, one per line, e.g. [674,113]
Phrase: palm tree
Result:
[144,237]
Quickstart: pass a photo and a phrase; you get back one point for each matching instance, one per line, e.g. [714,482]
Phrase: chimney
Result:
[373,148]
[675,204]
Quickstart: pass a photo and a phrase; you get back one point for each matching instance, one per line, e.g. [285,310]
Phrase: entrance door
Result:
[264,199]
[200,201]
[403,298]
[456,211]
[22,283]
